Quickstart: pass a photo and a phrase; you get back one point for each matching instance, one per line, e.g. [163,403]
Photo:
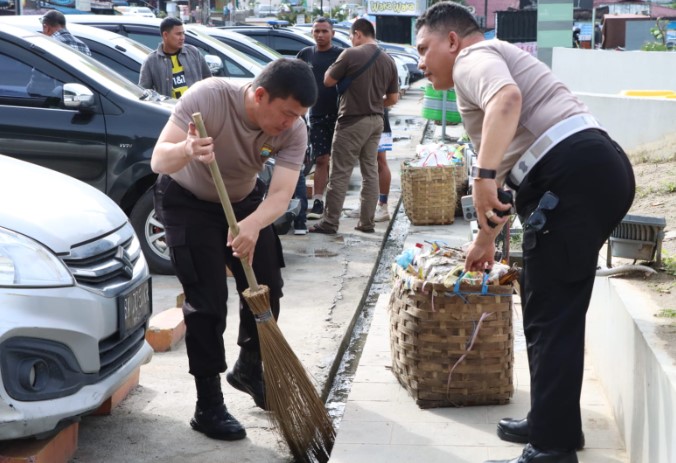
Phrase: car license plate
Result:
[134,307]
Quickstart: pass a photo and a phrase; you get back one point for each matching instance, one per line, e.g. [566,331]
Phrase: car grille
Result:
[114,352]
[105,265]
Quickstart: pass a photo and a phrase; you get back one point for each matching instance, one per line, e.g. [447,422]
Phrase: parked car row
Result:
[237,53]
[105,138]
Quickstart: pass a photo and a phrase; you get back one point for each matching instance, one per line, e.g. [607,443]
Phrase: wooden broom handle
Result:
[225,202]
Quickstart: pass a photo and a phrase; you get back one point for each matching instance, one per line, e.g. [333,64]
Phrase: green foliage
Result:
[666,313]
[669,264]
[660,34]
[290,16]
[654,46]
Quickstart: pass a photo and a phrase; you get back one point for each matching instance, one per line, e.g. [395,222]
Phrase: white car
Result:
[142,11]
[247,45]
[402,72]
[263,11]
[75,293]
[114,50]
[236,66]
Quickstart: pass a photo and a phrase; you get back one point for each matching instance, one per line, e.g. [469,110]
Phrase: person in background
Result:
[300,222]
[247,124]
[576,37]
[598,36]
[360,124]
[324,113]
[573,186]
[384,175]
[54,25]
[174,66]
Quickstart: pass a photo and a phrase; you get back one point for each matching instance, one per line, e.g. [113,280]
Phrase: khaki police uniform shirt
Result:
[241,148]
[481,70]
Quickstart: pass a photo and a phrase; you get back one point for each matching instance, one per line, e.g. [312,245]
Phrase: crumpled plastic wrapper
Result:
[436,262]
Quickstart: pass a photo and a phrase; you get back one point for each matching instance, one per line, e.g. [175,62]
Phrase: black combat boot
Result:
[247,376]
[211,415]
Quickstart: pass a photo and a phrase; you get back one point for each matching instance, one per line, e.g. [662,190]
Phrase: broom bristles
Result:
[297,409]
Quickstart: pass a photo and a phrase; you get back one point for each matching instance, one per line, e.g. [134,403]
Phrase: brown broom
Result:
[298,411]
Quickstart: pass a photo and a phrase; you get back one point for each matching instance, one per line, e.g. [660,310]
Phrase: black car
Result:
[63,110]
[283,41]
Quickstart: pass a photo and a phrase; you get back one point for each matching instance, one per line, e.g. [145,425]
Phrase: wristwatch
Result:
[478,172]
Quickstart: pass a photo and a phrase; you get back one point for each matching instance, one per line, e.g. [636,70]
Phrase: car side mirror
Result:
[215,64]
[77,96]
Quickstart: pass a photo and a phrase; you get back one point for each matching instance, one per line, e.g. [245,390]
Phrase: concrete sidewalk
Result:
[382,423]
[326,277]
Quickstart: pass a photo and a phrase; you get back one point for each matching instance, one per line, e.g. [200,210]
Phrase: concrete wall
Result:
[638,376]
[633,121]
[610,72]
[598,76]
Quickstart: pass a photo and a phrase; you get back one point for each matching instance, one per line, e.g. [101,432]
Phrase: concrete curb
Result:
[637,375]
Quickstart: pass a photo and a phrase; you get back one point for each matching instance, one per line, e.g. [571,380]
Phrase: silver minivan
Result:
[75,293]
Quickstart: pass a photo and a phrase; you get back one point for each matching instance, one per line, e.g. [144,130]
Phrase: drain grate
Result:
[637,237]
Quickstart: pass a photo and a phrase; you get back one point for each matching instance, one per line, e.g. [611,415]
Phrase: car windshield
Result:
[270,52]
[132,46]
[244,60]
[95,70]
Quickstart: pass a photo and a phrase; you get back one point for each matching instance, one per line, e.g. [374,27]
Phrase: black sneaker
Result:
[216,422]
[317,210]
[300,229]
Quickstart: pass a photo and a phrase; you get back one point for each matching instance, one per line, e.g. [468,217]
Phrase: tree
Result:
[660,34]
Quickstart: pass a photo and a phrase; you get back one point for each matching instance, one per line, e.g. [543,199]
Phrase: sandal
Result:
[363,229]
[320,228]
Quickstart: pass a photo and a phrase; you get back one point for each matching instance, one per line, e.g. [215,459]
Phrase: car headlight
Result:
[25,262]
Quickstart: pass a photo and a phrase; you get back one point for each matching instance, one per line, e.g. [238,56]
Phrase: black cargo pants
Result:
[196,233]
[594,181]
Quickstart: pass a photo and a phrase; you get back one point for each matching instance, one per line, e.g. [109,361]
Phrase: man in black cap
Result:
[54,25]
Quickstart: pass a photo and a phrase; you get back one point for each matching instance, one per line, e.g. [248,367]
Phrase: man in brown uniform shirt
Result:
[360,123]
[246,126]
[573,185]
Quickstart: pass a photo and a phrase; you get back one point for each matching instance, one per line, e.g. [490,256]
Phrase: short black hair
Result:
[288,77]
[169,23]
[322,19]
[446,17]
[364,26]
[53,18]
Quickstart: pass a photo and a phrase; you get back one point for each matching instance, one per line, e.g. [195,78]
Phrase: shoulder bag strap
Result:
[366,66]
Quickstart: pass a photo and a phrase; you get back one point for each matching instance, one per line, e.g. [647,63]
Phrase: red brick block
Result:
[118,396]
[56,449]
[166,329]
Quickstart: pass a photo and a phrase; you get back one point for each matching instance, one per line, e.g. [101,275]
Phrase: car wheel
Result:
[150,232]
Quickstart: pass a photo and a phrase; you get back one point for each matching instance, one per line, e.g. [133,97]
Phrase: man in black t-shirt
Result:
[374,85]
[324,113]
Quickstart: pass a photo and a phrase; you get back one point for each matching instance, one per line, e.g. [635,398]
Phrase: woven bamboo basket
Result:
[431,329]
[429,194]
